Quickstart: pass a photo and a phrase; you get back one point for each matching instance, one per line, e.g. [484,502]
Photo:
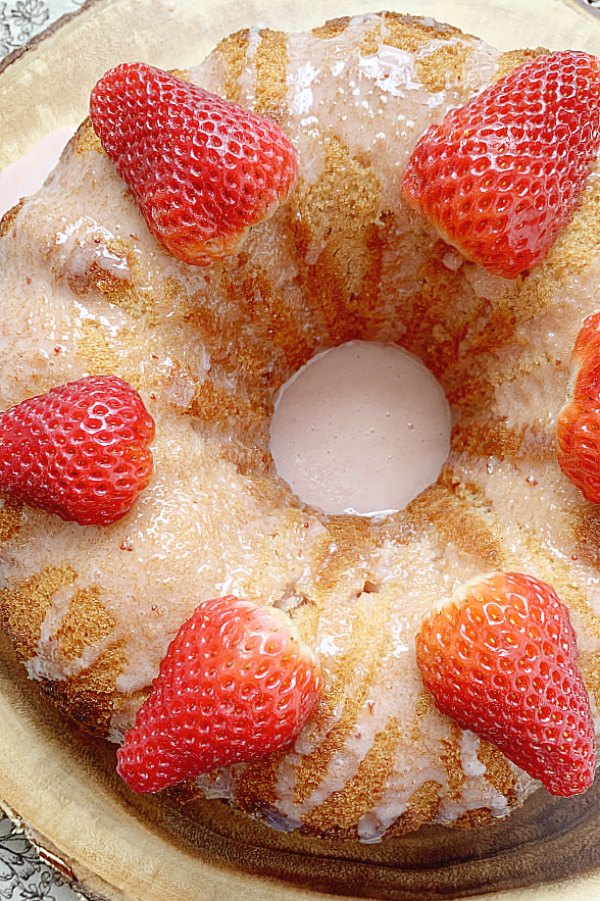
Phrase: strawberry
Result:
[236,684]
[201,169]
[499,177]
[80,451]
[578,427]
[500,660]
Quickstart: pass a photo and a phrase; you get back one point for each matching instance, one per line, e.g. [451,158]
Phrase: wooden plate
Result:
[59,783]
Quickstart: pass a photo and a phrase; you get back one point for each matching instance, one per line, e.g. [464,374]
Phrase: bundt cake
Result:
[86,290]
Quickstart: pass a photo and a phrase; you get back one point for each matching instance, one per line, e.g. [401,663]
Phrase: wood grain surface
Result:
[59,782]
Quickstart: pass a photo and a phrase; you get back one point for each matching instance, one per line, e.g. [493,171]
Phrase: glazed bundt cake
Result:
[86,290]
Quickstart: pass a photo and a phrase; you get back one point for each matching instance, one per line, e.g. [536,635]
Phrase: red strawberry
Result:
[500,659]
[499,177]
[236,684]
[201,169]
[80,451]
[578,427]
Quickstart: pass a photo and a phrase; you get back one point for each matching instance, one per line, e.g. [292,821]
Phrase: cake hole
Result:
[361,429]
[290,600]
[370,587]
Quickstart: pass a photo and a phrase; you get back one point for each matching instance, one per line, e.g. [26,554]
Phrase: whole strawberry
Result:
[499,177]
[202,170]
[500,660]
[80,451]
[236,684]
[578,427]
